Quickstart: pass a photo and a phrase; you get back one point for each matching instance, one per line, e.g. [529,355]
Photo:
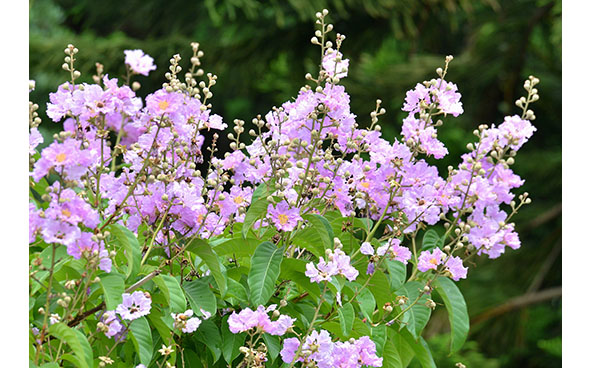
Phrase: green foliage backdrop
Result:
[260,51]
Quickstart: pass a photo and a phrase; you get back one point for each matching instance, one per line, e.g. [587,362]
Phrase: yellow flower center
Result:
[433,261]
[66,212]
[61,157]
[283,219]
[238,200]
[365,184]
[163,105]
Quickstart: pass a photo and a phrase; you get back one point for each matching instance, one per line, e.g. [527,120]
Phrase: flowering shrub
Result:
[312,246]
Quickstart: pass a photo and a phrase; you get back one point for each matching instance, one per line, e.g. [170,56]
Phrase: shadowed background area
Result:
[261,50]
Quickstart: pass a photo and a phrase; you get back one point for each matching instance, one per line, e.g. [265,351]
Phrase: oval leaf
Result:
[200,295]
[76,341]
[456,309]
[418,315]
[141,336]
[346,317]
[127,240]
[264,271]
[172,292]
[430,239]
[202,249]
[113,288]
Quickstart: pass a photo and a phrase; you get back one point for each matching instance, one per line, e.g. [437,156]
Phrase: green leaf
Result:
[157,322]
[49,365]
[113,287]
[237,247]
[396,274]
[76,340]
[209,334]
[273,345]
[405,351]
[391,353]
[380,288]
[420,348]
[200,295]
[258,207]
[456,309]
[418,315]
[379,335]
[172,292]
[230,342]
[141,336]
[367,303]
[294,270]
[236,290]
[430,239]
[346,317]
[126,239]
[264,271]
[202,249]
[322,228]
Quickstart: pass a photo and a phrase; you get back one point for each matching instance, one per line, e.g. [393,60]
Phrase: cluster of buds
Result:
[254,358]
[532,96]
[68,65]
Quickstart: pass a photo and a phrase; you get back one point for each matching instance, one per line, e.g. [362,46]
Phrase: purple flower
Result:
[456,269]
[259,318]
[430,260]
[112,324]
[184,321]
[334,64]
[139,62]
[319,350]
[134,306]
[338,264]
[162,102]
[35,138]
[290,346]
[283,217]
[67,158]
[366,249]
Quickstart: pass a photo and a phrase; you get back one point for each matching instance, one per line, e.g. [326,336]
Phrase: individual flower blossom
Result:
[134,305]
[111,324]
[184,321]
[394,250]
[429,260]
[205,313]
[54,318]
[166,350]
[366,249]
[35,332]
[259,318]
[283,217]
[162,102]
[367,352]
[334,64]
[456,268]
[56,231]
[140,366]
[66,158]
[515,131]
[139,62]
[338,264]
[35,139]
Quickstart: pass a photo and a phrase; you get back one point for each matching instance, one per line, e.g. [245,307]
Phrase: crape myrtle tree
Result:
[312,246]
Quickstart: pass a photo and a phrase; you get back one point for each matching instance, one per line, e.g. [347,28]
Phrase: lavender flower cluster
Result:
[132,162]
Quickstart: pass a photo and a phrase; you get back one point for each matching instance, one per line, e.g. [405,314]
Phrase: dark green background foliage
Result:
[260,51]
